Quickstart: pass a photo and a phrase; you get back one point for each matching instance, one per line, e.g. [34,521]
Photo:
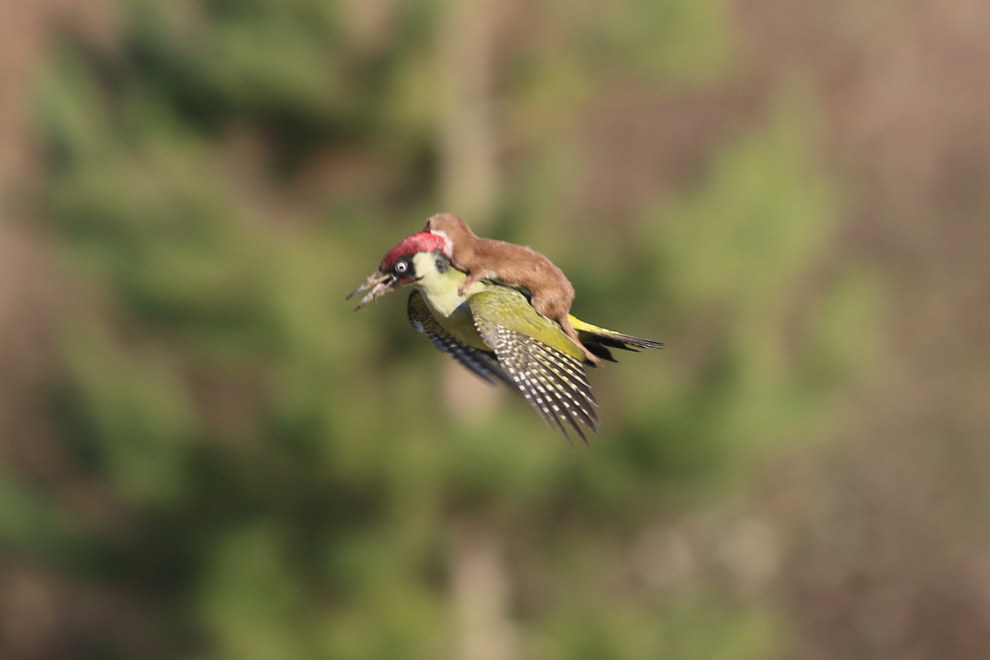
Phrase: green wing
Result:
[514,311]
[480,362]
[553,382]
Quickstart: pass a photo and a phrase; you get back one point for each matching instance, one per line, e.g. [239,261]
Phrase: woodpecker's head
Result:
[398,268]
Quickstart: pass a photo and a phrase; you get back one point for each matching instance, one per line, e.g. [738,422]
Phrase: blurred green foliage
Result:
[291,471]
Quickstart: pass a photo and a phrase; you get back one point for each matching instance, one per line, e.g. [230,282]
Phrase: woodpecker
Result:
[551,293]
[496,332]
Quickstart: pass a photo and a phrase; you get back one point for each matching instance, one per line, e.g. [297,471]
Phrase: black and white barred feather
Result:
[555,384]
[482,363]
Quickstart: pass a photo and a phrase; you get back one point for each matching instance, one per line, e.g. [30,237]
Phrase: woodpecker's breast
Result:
[439,287]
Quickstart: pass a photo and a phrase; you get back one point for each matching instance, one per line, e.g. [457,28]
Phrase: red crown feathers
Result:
[422,242]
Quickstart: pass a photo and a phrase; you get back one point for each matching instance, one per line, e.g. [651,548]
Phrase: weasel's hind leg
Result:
[565,325]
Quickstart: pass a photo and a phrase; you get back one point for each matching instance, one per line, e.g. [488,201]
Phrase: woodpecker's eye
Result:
[401,268]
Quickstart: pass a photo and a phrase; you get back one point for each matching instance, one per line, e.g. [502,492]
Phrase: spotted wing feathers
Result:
[555,384]
[481,363]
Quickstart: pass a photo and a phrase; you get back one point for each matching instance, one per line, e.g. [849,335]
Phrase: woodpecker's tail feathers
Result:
[600,340]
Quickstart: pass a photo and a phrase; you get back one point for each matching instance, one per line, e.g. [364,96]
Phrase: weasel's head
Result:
[451,228]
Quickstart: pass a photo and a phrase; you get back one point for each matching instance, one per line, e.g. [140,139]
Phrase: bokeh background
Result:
[206,454]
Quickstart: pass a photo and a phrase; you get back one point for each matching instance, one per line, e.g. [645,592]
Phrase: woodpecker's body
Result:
[495,331]
[551,293]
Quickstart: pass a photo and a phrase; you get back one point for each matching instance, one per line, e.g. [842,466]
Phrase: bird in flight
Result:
[494,330]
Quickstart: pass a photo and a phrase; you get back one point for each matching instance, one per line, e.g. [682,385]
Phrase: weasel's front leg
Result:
[472,278]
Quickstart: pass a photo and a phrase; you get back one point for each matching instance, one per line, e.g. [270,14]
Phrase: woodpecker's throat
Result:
[434,276]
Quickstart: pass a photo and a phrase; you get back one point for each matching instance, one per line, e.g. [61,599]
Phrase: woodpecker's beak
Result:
[379,284]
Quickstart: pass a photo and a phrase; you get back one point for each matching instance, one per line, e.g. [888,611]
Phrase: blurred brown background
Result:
[206,455]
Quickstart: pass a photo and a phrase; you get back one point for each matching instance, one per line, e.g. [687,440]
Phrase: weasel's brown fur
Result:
[551,293]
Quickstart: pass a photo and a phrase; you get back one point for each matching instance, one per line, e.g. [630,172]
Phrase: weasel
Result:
[551,293]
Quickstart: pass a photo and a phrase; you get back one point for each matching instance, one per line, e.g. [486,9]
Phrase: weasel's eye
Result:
[401,268]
